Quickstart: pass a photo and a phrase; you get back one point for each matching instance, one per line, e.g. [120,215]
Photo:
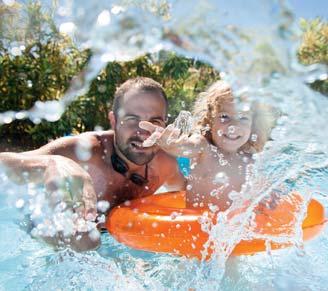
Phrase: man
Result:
[109,166]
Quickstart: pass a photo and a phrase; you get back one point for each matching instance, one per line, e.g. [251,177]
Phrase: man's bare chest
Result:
[117,188]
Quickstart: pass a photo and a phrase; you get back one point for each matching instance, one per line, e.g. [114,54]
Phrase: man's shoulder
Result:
[95,140]
[96,137]
[65,145]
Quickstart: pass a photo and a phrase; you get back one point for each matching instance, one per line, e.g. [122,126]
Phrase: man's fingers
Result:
[90,201]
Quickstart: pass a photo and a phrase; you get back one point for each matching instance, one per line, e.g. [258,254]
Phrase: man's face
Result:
[136,106]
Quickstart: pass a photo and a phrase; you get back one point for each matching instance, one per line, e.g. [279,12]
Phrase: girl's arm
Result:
[170,140]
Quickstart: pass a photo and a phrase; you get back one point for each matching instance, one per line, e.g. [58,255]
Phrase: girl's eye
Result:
[224,117]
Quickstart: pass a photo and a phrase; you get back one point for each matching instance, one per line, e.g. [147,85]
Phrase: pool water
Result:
[29,264]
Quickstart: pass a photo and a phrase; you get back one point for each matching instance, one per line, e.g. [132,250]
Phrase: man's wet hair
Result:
[142,84]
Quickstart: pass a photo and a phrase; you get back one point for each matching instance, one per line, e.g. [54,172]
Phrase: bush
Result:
[314,48]
[44,69]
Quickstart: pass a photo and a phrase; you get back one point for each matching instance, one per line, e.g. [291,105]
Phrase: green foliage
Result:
[314,48]
[48,63]
[42,70]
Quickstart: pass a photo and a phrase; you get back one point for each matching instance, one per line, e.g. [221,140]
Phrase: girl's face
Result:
[231,129]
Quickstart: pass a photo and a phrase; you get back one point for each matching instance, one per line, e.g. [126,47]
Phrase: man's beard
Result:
[141,158]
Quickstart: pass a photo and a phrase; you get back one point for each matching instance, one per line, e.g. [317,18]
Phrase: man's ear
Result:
[112,119]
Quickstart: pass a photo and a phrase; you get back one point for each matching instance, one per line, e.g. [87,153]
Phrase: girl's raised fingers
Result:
[146,125]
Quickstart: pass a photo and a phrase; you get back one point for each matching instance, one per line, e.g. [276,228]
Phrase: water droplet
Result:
[94,235]
[233,195]
[193,165]
[221,178]
[19,203]
[174,215]
[8,2]
[214,193]
[212,207]
[102,219]
[103,18]
[223,162]
[130,224]
[7,119]
[245,160]
[20,115]
[83,149]
[116,9]
[15,51]
[103,205]
[231,129]
[98,128]
[101,88]
[67,28]
[254,137]
[127,203]
[36,120]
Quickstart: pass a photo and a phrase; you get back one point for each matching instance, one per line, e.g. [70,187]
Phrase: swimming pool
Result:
[27,264]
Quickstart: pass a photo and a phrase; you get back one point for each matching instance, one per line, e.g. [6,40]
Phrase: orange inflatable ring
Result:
[162,223]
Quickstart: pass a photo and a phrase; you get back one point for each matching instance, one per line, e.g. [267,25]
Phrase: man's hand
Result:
[72,200]
[68,182]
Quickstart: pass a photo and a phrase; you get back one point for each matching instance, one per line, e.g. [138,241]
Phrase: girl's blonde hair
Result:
[210,103]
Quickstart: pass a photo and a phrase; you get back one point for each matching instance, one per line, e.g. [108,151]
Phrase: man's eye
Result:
[131,119]
[158,122]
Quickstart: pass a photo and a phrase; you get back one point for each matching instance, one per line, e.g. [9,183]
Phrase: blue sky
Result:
[310,9]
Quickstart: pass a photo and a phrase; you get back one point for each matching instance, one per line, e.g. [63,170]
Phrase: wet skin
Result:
[108,184]
[85,161]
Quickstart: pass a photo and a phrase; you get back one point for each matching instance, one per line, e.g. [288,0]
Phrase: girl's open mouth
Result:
[232,136]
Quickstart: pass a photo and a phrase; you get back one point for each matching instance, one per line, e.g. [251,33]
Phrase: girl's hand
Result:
[159,134]
[171,140]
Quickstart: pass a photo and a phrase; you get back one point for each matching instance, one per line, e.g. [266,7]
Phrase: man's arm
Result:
[22,169]
[53,166]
